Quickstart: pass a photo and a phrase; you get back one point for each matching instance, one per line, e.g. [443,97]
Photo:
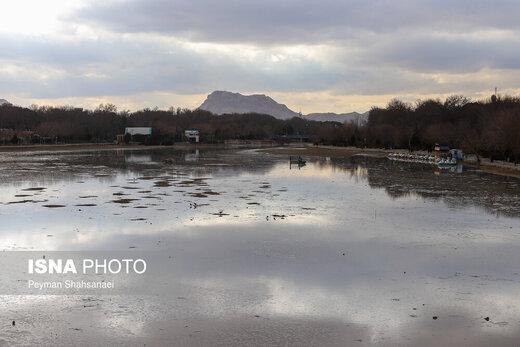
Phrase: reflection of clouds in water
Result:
[388,311]
[294,267]
[315,169]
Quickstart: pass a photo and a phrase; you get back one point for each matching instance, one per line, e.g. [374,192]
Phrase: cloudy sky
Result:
[327,55]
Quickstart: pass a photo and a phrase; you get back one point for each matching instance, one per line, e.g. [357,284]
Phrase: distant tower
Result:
[494,96]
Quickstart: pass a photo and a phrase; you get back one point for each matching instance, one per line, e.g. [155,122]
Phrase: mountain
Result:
[221,102]
[3,101]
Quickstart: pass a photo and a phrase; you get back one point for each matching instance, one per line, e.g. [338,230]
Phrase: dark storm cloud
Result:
[428,53]
[297,21]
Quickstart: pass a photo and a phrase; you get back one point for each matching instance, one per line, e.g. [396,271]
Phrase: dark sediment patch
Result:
[308,208]
[265,186]
[141,207]
[209,192]
[144,191]
[146,178]
[134,220]
[194,181]
[281,216]
[25,201]
[253,203]
[54,206]
[86,205]
[34,189]
[126,187]
[198,195]
[162,184]
[220,214]
[88,196]
[22,195]
[123,201]
[119,194]
[101,175]
[19,202]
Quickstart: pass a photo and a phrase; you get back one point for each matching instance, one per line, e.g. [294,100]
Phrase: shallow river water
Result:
[246,249]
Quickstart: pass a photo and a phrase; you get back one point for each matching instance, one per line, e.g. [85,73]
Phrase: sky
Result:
[313,56]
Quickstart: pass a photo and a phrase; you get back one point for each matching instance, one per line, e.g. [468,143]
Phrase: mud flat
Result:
[496,167]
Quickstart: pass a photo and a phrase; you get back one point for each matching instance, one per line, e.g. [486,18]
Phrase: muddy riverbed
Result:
[250,250]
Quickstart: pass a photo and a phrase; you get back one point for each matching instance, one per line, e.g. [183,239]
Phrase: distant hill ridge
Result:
[221,102]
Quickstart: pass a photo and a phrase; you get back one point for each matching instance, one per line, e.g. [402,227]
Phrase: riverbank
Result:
[110,146]
[495,167]
[97,147]
[326,151]
[72,147]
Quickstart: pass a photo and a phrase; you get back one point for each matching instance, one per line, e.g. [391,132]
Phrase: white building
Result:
[192,135]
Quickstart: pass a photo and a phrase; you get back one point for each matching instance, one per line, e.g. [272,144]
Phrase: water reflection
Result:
[353,250]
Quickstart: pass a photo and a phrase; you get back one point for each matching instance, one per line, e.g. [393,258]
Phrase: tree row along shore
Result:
[488,128]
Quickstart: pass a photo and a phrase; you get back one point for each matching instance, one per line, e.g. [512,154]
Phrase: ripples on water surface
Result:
[352,250]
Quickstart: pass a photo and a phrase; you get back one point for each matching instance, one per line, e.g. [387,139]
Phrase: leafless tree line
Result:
[489,127]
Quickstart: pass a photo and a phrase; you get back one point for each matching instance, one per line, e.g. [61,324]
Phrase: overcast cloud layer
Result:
[320,56]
